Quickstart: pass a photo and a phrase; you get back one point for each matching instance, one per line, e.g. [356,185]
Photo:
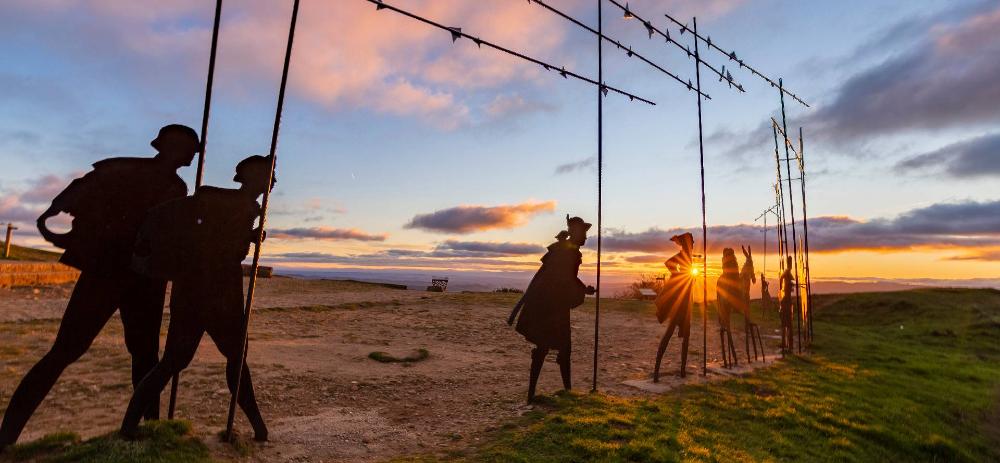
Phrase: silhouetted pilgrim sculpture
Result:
[673,303]
[727,300]
[734,295]
[785,305]
[108,205]
[544,308]
[751,331]
[207,292]
[765,294]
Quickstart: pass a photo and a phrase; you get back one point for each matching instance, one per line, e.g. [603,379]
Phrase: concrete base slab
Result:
[715,372]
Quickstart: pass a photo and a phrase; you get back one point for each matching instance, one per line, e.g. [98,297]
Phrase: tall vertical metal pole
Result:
[782,228]
[600,179]
[763,270]
[263,221]
[780,196]
[201,156]
[791,208]
[208,94]
[805,233]
[704,219]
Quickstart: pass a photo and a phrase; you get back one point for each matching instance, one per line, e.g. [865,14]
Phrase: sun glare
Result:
[694,270]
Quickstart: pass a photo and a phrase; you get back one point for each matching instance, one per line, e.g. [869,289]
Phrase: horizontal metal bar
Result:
[732,57]
[628,50]
[456,33]
[666,35]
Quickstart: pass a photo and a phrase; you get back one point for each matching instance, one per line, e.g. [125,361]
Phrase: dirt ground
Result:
[324,399]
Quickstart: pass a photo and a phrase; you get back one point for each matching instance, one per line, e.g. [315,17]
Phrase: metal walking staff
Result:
[201,157]
[263,221]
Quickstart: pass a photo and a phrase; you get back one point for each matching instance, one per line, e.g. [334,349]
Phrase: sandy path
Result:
[324,399]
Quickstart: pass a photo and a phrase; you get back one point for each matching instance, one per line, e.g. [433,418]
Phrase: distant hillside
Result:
[24,253]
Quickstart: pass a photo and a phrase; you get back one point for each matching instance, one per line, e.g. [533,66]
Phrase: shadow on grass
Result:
[879,386]
[158,442]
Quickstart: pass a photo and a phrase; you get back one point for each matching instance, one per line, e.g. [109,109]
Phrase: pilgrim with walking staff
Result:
[544,309]
[108,204]
[211,234]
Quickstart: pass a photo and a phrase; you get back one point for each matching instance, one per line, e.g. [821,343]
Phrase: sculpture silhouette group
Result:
[134,228]
[733,294]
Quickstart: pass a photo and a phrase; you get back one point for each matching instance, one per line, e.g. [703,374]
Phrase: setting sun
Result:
[694,270]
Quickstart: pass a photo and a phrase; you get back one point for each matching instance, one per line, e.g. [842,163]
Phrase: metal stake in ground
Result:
[263,221]
[791,208]
[201,157]
[805,233]
[704,220]
[600,177]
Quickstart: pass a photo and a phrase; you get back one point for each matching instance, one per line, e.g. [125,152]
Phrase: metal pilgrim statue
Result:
[785,303]
[733,291]
[673,303]
[765,295]
[728,300]
[108,205]
[214,229]
[544,308]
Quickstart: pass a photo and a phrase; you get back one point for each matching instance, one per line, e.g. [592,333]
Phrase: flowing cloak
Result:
[544,319]
[108,206]
[674,300]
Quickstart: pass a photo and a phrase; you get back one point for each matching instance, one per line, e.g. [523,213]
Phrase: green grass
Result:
[907,376]
[24,253]
[159,442]
[417,356]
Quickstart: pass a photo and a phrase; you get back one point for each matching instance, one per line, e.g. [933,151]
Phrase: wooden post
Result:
[6,246]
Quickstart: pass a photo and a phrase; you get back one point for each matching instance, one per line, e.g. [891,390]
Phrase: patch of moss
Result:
[417,356]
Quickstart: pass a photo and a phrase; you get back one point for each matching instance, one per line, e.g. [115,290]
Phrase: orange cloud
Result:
[468,219]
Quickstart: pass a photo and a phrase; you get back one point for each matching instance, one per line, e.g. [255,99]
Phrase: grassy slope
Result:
[23,253]
[159,442]
[909,376]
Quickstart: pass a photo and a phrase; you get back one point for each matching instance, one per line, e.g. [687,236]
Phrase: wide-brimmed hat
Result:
[683,239]
[576,222]
[175,130]
[262,164]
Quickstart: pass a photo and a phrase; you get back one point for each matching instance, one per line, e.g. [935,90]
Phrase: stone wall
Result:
[28,273]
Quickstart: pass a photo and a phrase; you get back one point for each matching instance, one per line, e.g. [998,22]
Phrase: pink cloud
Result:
[348,56]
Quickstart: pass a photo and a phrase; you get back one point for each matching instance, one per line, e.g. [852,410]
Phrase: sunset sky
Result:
[400,149]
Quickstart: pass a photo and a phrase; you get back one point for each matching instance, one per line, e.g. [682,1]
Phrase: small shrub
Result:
[509,290]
